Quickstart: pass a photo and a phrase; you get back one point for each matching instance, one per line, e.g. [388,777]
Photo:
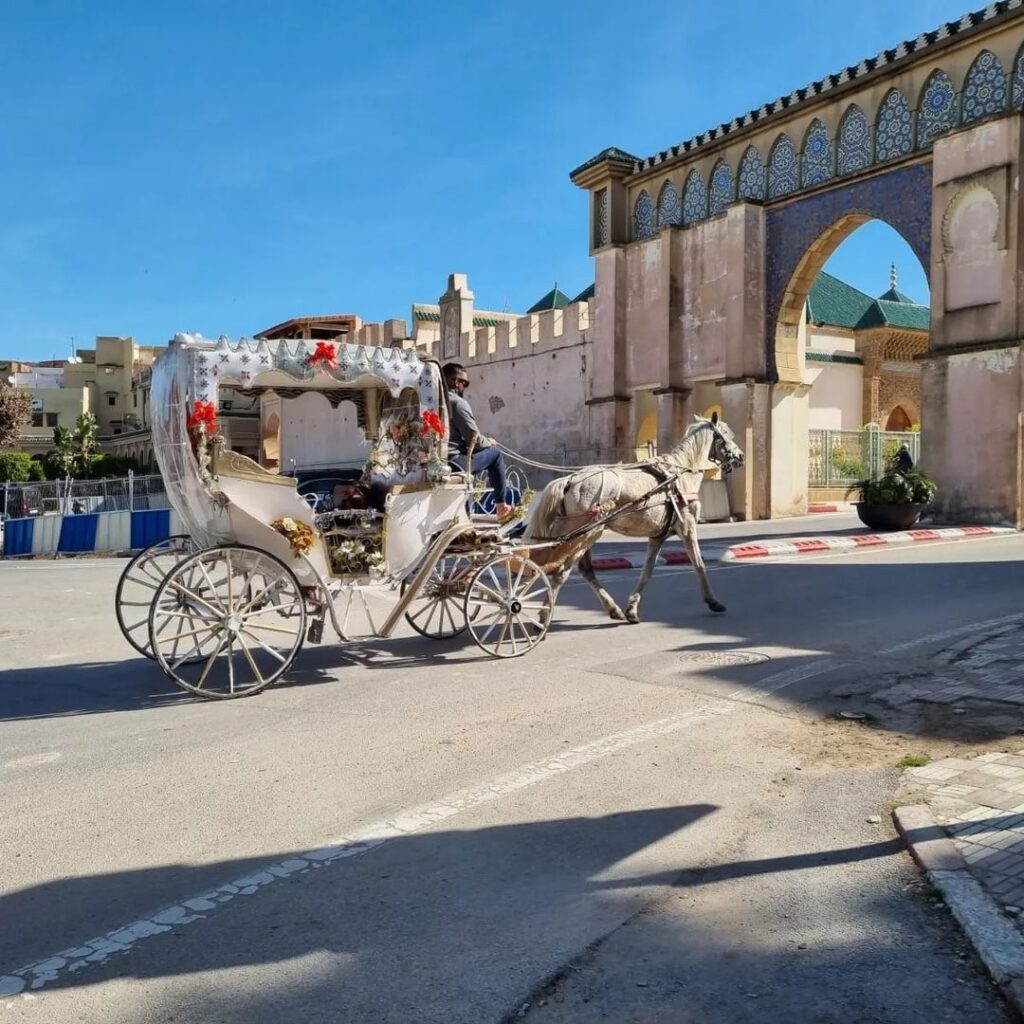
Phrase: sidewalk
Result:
[804,535]
[964,817]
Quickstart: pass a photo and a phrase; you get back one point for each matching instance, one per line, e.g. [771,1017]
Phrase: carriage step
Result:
[315,633]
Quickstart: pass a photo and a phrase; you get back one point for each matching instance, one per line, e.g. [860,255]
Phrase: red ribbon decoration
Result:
[325,354]
[204,413]
[432,424]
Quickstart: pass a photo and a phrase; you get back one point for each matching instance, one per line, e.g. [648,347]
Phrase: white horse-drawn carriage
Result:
[225,608]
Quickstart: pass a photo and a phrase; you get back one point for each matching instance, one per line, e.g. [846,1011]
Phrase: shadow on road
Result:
[427,922]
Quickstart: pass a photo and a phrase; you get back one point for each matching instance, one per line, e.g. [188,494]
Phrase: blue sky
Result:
[221,166]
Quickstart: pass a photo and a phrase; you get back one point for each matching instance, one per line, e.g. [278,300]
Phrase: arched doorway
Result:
[898,420]
[844,355]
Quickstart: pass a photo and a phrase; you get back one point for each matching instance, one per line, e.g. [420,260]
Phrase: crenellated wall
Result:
[531,380]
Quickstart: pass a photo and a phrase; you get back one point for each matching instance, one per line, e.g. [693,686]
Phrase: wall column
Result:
[746,408]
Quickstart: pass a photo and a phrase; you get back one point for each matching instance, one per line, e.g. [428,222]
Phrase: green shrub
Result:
[913,487]
[18,467]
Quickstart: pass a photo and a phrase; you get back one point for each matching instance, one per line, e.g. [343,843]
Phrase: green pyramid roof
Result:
[587,293]
[553,300]
[838,304]
[892,295]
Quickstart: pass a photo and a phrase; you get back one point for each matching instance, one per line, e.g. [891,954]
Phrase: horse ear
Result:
[714,418]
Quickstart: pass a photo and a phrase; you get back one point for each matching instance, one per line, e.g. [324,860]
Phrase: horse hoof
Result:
[632,618]
[616,614]
[716,606]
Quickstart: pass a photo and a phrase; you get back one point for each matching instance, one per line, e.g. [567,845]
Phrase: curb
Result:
[811,546]
[820,508]
[996,941]
[817,545]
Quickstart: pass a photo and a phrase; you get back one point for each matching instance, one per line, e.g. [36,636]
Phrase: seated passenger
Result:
[487,456]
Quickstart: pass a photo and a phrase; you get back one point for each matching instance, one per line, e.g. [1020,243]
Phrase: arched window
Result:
[985,90]
[782,168]
[643,216]
[817,162]
[695,199]
[668,205]
[936,111]
[1018,79]
[894,131]
[854,141]
[750,180]
[720,192]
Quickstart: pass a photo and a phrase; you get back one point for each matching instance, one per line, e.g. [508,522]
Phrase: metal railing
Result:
[839,458]
[75,497]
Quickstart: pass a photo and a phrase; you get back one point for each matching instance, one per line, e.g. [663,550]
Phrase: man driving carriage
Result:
[466,435]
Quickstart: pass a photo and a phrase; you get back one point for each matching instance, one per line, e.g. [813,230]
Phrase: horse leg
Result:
[653,550]
[686,527]
[586,565]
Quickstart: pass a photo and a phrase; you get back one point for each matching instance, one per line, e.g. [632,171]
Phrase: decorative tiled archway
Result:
[801,236]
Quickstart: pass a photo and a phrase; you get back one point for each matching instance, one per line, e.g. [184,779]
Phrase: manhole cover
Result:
[724,658]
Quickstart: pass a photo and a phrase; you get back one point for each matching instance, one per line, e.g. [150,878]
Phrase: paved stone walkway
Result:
[980,802]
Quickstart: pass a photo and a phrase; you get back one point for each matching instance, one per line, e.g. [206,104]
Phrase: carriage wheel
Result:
[508,606]
[138,584]
[244,622]
[437,610]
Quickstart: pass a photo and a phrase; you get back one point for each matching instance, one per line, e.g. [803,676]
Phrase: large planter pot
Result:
[889,517]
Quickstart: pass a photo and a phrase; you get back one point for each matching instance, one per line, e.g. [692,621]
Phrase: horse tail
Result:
[545,508]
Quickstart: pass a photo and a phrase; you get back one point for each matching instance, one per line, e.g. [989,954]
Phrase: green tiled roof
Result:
[897,314]
[587,293]
[611,153]
[816,356]
[431,316]
[838,304]
[553,300]
[894,296]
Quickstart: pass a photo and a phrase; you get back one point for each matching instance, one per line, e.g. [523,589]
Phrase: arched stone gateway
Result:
[708,308]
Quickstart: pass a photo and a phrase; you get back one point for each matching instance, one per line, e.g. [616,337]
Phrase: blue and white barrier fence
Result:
[96,532]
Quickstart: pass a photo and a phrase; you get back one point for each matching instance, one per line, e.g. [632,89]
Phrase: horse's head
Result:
[724,451]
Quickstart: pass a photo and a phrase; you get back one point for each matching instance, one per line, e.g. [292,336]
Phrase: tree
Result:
[62,457]
[85,441]
[15,413]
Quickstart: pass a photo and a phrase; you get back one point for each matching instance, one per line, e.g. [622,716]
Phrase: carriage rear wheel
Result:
[509,603]
[139,583]
[437,610]
[243,622]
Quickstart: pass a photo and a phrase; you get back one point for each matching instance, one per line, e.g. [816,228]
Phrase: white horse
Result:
[591,494]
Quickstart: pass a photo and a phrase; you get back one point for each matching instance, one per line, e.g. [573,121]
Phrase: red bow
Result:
[432,424]
[324,353]
[205,414]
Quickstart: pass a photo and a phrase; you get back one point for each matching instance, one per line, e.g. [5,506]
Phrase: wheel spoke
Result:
[213,589]
[268,627]
[270,650]
[252,663]
[209,665]
[195,597]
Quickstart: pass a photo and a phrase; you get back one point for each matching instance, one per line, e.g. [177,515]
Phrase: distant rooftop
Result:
[838,304]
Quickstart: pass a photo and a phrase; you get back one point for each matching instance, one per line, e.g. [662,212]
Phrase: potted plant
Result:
[896,500]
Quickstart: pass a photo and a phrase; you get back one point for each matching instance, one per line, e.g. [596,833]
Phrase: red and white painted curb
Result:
[788,548]
[819,545]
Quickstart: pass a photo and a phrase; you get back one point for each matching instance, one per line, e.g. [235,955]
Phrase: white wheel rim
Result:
[508,606]
[440,613]
[227,622]
[138,586]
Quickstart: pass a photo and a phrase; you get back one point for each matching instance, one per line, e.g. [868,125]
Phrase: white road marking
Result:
[202,905]
[31,760]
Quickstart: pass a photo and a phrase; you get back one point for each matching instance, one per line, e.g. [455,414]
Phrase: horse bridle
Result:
[726,462]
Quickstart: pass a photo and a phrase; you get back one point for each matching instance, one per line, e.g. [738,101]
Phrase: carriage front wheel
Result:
[508,607]
[139,583]
[243,622]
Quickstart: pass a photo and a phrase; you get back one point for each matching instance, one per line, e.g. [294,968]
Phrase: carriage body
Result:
[260,568]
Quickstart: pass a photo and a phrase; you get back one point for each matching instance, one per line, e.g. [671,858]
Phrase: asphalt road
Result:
[625,825]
